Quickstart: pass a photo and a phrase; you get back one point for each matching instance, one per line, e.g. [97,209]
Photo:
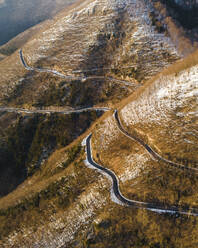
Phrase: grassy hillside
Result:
[59,201]
[141,178]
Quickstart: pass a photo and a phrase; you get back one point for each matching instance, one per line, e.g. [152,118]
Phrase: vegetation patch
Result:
[31,140]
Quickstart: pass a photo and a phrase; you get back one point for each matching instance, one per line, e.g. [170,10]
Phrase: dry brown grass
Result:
[191,60]
[179,66]
[147,188]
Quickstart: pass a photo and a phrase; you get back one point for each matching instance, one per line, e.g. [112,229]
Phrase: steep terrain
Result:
[89,39]
[102,47]
[102,54]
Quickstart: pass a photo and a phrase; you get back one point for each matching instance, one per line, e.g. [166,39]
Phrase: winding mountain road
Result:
[83,79]
[56,73]
[127,202]
[154,154]
[110,174]
[115,182]
[48,111]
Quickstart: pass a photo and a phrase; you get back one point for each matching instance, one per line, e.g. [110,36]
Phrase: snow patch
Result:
[134,165]
[107,132]
[164,96]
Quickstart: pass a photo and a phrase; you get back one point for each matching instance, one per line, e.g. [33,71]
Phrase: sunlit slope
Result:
[164,115]
[95,37]
[66,204]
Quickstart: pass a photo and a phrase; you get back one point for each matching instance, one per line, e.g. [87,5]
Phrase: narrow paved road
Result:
[115,182]
[132,203]
[83,79]
[46,111]
[56,73]
[154,154]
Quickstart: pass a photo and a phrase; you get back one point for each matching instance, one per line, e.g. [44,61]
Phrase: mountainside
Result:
[80,42]
[98,137]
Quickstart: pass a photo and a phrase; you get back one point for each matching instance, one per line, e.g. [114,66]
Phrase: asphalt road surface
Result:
[154,154]
[83,79]
[132,203]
